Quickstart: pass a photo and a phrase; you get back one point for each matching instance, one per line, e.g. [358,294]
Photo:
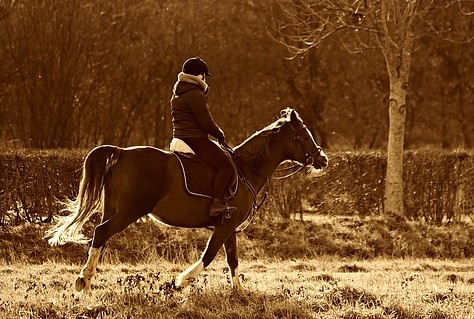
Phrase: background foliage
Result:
[81,73]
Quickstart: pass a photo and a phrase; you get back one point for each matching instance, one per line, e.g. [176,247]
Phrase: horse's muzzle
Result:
[318,162]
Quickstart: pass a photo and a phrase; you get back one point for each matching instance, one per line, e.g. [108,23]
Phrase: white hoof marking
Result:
[184,278]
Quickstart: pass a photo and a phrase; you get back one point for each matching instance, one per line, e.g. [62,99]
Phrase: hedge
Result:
[439,186]
[32,182]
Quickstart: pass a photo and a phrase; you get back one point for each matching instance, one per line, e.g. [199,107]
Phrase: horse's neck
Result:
[259,169]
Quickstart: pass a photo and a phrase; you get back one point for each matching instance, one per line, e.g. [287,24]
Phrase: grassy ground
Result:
[316,288]
[380,268]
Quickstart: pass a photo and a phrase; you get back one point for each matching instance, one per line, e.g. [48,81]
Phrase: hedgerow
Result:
[439,186]
[32,181]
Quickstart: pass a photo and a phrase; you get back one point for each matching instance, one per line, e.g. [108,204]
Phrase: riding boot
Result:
[217,207]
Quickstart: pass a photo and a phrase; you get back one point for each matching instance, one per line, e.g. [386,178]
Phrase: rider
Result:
[193,123]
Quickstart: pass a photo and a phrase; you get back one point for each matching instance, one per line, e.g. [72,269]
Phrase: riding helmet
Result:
[196,66]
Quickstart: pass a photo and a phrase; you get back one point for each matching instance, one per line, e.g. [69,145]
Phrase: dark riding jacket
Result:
[190,113]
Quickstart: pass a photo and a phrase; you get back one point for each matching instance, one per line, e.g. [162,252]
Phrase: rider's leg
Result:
[212,154]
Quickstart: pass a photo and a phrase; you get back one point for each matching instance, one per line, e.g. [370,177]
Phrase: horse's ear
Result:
[294,117]
[288,113]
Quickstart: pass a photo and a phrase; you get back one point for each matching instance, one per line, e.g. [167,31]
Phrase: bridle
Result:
[313,148]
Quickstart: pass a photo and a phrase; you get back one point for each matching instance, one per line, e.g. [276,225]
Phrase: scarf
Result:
[184,77]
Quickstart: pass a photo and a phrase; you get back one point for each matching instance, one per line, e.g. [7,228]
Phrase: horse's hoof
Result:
[181,282]
[239,291]
[80,283]
[86,293]
[238,288]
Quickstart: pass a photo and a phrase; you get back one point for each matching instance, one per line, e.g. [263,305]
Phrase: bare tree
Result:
[390,26]
[46,48]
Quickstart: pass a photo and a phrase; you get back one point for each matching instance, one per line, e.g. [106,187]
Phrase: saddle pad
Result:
[198,176]
[178,145]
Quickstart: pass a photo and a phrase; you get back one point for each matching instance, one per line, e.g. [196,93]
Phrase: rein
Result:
[255,206]
[253,192]
[296,165]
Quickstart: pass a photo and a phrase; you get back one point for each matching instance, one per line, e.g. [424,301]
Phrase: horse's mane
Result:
[257,144]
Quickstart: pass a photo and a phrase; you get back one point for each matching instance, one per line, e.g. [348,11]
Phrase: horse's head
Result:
[305,150]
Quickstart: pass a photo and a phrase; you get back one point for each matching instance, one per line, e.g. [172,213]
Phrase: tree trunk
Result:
[398,65]
[393,201]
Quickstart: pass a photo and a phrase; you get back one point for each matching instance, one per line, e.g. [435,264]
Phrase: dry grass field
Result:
[327,287]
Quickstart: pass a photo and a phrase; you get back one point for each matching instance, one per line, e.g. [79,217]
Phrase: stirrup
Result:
[219,208]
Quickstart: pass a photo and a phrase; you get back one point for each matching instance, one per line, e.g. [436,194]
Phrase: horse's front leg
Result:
[218,237]
[232,261]
[83,282]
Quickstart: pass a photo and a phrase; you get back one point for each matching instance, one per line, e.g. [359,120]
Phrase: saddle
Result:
[198,175]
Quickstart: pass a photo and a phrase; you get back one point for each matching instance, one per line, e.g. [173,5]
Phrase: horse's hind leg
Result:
[118,222]
[88,271]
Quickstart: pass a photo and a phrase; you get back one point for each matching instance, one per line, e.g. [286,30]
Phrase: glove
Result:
[221,137]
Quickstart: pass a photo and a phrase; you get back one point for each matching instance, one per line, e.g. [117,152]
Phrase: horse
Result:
[125,184]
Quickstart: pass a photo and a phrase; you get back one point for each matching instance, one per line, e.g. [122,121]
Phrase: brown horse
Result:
[129,183]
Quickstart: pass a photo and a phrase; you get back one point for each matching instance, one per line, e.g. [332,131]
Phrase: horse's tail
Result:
[97,164]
